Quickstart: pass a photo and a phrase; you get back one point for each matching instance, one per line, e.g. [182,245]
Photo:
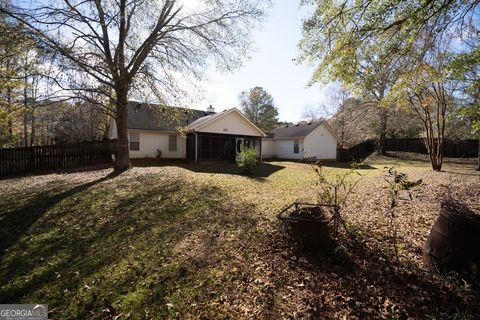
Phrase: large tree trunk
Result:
[123,154]
[382,136]
[436,160]
[434,147]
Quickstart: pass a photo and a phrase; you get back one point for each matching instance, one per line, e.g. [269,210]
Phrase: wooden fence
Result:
[62,156]
[357,152]
[451,148]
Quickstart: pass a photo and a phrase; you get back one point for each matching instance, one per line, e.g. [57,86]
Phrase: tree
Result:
[315,112]
[426,88]
[357,121]
[362,42]
[336,109]
[466,67]
[257,105]
[115,49]
[79,122]
[363,73]
[338,32]
[339,99]
[13,42]
[472,112]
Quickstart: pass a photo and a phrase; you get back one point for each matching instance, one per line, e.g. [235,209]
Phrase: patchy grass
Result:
[200,241]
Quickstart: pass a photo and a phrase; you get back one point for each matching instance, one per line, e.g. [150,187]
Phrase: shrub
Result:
[397,182]
[247,159]
[335,190]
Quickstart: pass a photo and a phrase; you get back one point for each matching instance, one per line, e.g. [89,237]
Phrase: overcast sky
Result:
[271,67]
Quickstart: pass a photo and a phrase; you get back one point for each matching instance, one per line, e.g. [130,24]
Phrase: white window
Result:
[172,142]
[296,145]
[134,141]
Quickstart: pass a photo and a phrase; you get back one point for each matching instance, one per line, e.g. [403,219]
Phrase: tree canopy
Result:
[339,36]
[381,50]
[258,106]
[108,51]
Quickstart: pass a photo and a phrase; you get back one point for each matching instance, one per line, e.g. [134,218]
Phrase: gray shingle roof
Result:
[145,116]
[299,130]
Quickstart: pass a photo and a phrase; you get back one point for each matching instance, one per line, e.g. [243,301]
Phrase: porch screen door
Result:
[238,144]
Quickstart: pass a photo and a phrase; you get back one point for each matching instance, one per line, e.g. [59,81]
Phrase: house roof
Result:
[146,116]
[203,121]
[298,130]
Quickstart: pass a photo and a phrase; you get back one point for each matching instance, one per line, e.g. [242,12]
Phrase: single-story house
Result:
[306,139]
[157,131]
[171,132]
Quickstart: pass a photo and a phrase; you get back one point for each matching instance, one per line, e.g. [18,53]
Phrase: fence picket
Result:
[51,157]
[451,148]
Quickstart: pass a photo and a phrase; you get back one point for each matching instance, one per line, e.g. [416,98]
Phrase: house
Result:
[171,132]
[306,139]
[156,131]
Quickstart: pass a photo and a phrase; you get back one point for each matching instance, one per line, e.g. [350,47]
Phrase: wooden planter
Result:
[307,224]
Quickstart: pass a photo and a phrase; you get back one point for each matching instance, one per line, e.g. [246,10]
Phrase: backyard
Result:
[180,240]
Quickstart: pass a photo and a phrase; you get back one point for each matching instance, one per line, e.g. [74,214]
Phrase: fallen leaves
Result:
[180,242]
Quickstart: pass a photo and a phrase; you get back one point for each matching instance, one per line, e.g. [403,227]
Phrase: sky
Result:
[272,67]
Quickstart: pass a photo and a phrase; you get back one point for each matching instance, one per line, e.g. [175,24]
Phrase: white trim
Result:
[220,115]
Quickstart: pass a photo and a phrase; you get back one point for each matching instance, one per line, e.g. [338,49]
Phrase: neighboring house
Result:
[314,139]
[154,131]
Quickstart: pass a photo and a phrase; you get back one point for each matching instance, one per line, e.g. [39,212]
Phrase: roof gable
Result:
[230,121]
[299,130]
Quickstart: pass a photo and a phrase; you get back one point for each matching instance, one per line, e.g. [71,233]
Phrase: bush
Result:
[247,159]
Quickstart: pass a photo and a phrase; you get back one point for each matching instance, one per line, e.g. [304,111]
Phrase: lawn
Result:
[187,241]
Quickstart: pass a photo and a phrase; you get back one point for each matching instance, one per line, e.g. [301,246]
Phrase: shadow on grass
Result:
[368,283]
[471,174]
[79,169]
[14,224]
[423,158]
[131,244]
[261,171]
[346,165]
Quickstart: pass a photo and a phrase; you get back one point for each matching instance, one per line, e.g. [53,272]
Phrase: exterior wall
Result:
[320,143]
[284,149]
[232,123]
[150,141]
[268,148]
